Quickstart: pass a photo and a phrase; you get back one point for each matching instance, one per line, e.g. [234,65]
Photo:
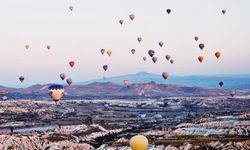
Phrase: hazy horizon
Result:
[79,35]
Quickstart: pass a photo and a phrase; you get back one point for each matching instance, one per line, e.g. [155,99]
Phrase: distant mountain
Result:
[111,90]
[233,82]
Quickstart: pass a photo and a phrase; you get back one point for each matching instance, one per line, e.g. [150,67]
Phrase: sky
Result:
[79,35]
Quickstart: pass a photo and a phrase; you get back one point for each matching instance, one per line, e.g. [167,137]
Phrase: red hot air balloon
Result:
[71,64]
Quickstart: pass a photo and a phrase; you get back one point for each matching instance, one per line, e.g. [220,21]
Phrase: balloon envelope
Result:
[132,17]
[168,11]
[221,84]
[105,67]
[56,92]
[167,56]
[62,76]
[109,52]
[200,58]
[165,75]
[139,39]
[133,51]
[102,51]
[138,142]
[201,45]
[151,53]
[154,59]
[71,64]
[21,78]
[217,55]
[69,81]
[121,22]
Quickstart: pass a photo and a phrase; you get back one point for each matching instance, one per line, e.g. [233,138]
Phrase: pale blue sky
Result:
[79,36]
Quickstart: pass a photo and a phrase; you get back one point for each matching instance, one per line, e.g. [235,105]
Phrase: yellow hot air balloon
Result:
[109,52]
[138,142]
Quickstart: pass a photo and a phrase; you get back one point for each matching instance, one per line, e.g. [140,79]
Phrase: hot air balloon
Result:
[104,77]
[168,11]
[27,46]
[138,142]
[125,82]
[200,58]
[56,92]
[151,53]
[132,17]
[109,52]
[157,117]
[105,67]
[121,22]
[201,45]
[232,94]
[154,59]
[144,58]
[171,61]
[139,39]
[217,55]
[62,76]
[71,64]
[69,81]
[196,38]
[133,51]
[142,114]
[165,75]
[161,43]
[221,84]
[71,8]
[48,47]
[167,56]
[224,11]
[102,51]
[21,78]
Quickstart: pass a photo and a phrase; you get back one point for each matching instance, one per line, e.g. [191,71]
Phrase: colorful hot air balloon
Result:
[138,142]
[168,11]
[161,43]
[196,38]
[102,51]
[62,76]
[200,58]
[132,17]
[144,58]
[154,59]
[133,51]
[217,55]
[48,47]
[125,82]
[71,8]
[151,53]
[171,61]
[139,39]
[168,57]
[21,78]
[201,45]
[69,81]
[121,22]
[105,67]
[27,46]
[56,92]
[71,64]
[109,52]
[224,11]
[165,75]
[221,84]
